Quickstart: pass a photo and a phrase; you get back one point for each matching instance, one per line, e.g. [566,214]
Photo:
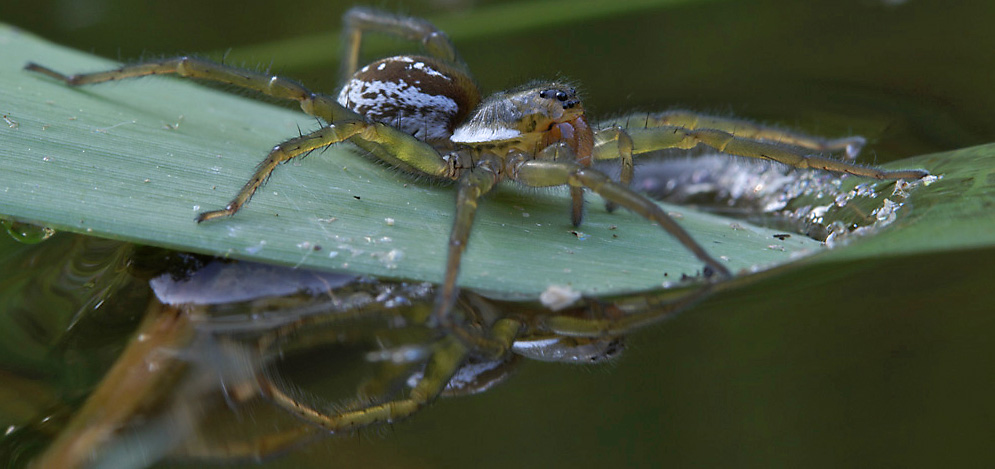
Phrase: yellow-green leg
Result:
[542,173]
[444,362]
[617,143]
[850,146]
[562,151]
[406,153]
[473,184]
[282,153]
[362,19]
[448,354]
[314,104]
[660,138]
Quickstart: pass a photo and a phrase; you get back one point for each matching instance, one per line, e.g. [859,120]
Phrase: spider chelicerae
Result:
[424,115]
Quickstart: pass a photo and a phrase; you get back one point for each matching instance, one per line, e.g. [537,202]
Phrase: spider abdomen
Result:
[418,95]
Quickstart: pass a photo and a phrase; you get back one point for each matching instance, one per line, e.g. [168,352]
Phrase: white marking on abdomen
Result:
[475,134]
[399,104]
[429,70]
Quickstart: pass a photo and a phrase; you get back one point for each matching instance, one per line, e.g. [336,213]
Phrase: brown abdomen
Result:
[421,96]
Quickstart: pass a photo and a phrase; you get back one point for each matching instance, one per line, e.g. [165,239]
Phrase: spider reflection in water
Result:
[233,352]
[424,115]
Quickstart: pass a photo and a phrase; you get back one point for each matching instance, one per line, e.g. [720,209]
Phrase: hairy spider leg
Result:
[544,173]
[623,145]
[449,355]
[408,153]
[282,153]
[440,368]
[315,104]
[850,146]
[473,184]
[615,132]
[579,137]
[361,19]
[664,137]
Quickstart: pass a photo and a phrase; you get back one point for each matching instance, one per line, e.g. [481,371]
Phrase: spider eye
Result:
[561,96]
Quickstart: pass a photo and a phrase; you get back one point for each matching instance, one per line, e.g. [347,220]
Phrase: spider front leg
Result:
[280,154]
[360,19]
[664,137]
[473,183]
[406,153]
[544,173]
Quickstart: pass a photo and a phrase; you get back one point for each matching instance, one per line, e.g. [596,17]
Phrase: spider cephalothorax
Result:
[530,118]
[423,114]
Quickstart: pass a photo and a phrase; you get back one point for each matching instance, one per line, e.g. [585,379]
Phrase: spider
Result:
[424,115]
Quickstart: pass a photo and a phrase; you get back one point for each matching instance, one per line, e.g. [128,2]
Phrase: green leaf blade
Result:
[110,160]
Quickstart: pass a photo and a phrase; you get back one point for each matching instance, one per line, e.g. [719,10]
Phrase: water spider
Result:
[424,115]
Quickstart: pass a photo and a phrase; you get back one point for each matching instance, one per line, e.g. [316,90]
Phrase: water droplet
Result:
[255,249]
[27,233]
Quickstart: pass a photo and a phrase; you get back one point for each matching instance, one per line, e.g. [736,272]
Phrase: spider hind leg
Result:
[314,104]
[648,139]
[849,146]
[362,19]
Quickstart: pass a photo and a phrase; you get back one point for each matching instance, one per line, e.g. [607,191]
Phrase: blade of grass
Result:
[110,160]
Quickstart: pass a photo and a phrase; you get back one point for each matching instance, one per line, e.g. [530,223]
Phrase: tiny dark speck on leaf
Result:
[356,197]
[782,236]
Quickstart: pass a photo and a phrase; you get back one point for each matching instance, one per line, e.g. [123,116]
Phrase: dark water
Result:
[887,362]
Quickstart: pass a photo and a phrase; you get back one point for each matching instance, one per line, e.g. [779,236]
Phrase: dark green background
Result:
[873,362]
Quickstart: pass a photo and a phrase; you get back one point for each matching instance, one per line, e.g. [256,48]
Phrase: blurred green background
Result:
[871,362]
